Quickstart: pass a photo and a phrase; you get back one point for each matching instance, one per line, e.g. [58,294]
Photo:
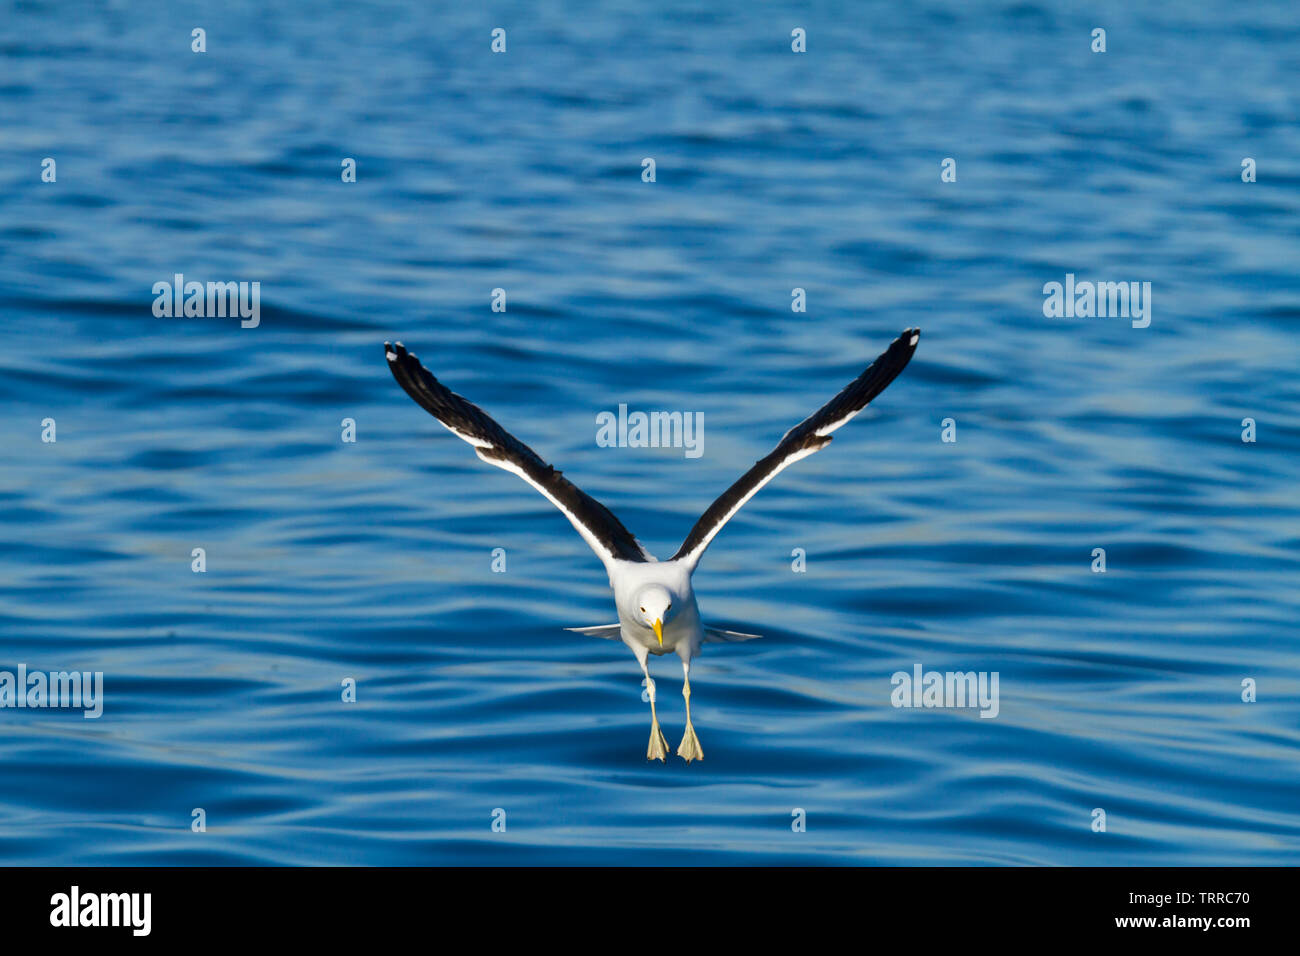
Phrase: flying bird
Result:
[657,612]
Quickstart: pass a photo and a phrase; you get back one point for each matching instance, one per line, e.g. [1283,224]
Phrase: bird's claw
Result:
[690,748]
[658,749]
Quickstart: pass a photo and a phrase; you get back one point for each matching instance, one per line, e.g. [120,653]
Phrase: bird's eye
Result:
[642,610]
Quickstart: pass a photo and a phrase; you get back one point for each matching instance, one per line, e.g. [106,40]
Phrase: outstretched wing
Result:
[810,435]
[496,446]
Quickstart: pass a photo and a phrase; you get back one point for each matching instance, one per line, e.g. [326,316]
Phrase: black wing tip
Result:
[406,368]
[902,349]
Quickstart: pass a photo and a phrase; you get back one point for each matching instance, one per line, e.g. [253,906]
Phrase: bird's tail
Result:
[718,635]
[610,632]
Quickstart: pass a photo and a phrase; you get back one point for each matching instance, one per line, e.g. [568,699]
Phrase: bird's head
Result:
[655,604]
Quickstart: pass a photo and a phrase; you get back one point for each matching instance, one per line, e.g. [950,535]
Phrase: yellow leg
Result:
[658,748]
[690,748]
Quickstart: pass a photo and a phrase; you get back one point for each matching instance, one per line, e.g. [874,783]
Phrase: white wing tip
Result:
[916,337]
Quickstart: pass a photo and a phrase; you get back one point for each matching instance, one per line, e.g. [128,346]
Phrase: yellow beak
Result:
[659,631]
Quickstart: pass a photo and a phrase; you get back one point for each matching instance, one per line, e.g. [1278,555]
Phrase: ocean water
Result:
[372,560]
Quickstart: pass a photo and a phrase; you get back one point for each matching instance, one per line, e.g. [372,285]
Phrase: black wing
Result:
[496,446]
[809,436]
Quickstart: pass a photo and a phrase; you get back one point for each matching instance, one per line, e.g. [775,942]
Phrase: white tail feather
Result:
[610,632]
[721,635]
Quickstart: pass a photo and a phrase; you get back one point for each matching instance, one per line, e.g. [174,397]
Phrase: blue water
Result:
[327,560]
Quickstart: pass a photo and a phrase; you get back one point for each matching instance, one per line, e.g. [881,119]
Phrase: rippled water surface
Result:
[372,560]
